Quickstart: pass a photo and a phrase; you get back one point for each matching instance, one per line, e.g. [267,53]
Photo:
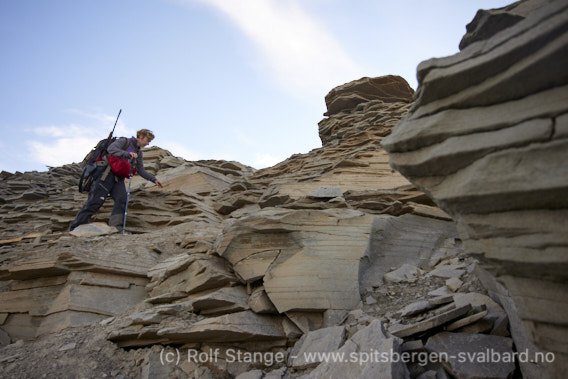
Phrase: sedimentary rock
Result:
[362,356]
[487,23]
[404,241]
[486,139]
[290,259]
[241,326]
[389,89]
[322,341]
[308,259]
[474,356]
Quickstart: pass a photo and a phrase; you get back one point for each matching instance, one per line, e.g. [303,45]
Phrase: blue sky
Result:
[240,80]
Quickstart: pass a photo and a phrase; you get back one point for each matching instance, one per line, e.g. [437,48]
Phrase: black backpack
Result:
[89,163]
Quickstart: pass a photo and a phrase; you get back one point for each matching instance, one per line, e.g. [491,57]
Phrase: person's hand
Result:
[159,184]
[133,155]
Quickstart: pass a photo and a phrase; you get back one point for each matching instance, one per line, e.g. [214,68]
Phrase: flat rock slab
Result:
[424,305]
[431,323]
[474,355]
[93,230]
[444,272]
[357,358]
[317,341]
[466,321]
[224,300]
[326,192]
[234,327]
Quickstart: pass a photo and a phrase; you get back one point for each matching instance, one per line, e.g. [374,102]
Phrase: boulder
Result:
[308,259]
[222,301]
[474,355]
[259,301]
[309,350]
[362,356]
[199,272]
[93,230]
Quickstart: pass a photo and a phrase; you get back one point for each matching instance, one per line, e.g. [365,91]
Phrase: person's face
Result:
[143,141]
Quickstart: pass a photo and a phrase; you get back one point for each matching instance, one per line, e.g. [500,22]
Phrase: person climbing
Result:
[109,180]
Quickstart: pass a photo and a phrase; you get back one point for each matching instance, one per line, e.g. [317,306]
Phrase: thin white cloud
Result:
[61,151]
[302,54]
[62,144]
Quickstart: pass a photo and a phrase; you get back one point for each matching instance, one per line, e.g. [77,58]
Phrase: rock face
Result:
[308,260]
[329,264]
[486,139]
[226,258]
[388,89]
[487,23]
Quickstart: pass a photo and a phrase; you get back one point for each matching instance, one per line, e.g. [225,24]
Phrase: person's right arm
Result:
[115,148]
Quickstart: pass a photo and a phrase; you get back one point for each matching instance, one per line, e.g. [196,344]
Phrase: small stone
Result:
[442,291]
[370,300]
[454,284]
[69,346]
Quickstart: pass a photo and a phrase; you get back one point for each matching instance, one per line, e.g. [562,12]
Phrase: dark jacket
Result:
[118,149]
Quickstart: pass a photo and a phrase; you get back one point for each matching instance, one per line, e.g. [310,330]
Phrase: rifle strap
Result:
[107,169]
[104,162]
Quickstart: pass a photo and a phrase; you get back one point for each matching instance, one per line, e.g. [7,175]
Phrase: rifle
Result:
[112,131]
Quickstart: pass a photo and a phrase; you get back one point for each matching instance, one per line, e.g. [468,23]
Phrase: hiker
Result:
[109,178]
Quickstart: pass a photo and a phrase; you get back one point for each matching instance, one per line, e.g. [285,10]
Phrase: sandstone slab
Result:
[360,354]
[323,340]
[308,259]
[428,324]
[240,326]
[474,355]
[94,229]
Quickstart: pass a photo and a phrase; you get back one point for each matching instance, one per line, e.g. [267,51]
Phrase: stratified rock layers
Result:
[487,139]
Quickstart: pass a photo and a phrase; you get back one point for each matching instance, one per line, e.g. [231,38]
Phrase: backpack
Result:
[89,163]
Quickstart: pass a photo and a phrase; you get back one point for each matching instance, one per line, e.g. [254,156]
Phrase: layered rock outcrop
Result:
[325,252]
[234,272]
[486,139]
